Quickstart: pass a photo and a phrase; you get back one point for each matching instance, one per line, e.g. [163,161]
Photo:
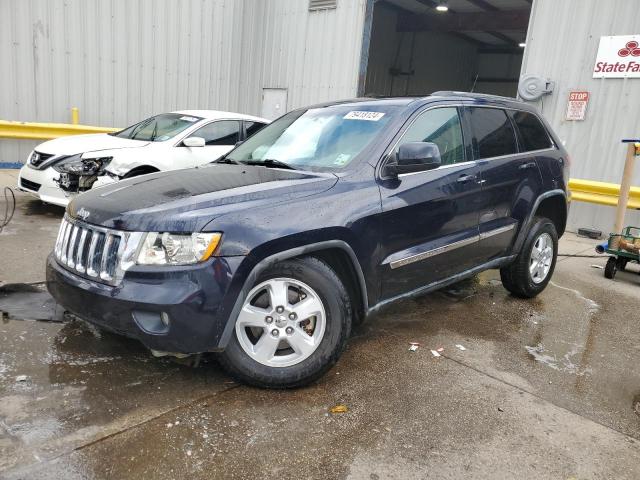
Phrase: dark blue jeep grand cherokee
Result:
[271,253]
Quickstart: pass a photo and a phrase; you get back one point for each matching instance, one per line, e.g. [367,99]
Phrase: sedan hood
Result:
[74,144]
[186,200]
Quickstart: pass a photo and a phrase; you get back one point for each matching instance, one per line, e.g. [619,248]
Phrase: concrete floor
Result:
[546,388]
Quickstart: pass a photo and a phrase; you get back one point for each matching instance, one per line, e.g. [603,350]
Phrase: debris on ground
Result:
[440,349]
[597,266]
[21,378]
[339,409]
[500,409]
[434,353]
[460,347]
[413,346]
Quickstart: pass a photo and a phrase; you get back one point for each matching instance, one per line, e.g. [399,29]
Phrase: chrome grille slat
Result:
[72,246]
[81,249]
[95,252]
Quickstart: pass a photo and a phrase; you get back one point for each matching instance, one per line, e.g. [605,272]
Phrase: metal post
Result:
[625,186]
[75,116]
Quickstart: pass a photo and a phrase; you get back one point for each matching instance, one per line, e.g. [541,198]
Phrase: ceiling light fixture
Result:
[442,6]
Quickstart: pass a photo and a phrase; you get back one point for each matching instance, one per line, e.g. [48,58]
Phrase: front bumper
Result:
[42,184]
[196,300]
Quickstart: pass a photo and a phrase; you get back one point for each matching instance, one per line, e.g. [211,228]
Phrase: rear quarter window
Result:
[533,135]
[493,132]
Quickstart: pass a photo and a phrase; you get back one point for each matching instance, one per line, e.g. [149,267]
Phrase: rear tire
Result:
[532,269]
[611,268]
[273,347]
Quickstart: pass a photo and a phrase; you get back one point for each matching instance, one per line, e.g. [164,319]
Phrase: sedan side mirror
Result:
[193,142]
[415,157]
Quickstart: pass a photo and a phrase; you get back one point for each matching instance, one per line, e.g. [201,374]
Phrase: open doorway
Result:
[417,47]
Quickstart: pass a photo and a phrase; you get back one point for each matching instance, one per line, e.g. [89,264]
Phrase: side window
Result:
[224,132]
[253,127]
[533,135]
[493,132]
[442,127]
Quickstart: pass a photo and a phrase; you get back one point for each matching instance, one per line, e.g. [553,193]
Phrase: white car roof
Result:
[217,114]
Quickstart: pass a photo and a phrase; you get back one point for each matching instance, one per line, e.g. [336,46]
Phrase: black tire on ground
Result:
[333,294]
[516,277]
[621,264]
[611,268]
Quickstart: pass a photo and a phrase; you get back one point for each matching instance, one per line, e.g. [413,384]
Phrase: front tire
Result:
[611,268]
[532,269]
[292,327]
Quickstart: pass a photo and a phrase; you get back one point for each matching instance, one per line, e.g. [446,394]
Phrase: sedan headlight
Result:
[177,249]
[82,166]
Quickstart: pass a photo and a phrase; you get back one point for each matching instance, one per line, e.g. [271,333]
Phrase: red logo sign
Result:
[631,48]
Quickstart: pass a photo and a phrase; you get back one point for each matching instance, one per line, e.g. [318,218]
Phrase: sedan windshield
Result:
[326,138]
[159,128]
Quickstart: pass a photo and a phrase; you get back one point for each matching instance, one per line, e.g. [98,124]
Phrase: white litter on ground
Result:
[434,353]
[460,347]
[21,378]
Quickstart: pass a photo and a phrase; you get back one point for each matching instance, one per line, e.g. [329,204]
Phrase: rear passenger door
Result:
[511,180]
[430,218]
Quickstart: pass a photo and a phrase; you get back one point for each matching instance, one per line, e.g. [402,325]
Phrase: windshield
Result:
[159,128]
[326,138]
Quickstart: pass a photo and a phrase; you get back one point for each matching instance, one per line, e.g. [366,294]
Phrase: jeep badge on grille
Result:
[83,214]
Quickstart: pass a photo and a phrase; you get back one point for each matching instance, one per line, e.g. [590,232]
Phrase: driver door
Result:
[219,137]
[430,218]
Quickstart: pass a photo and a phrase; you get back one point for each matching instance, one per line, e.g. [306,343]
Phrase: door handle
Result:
[466,178]
[526,166]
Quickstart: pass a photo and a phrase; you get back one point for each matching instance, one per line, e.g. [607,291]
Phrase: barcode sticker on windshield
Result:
[189,119]
[359,115]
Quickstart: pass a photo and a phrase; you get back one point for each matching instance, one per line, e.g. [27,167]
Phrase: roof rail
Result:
[451,93]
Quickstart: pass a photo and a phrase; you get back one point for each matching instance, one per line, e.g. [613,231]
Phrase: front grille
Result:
[38,158]
[29,185]
[93,252]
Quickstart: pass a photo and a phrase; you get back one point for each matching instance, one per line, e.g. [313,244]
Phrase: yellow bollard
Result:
[625,185]
[75,116]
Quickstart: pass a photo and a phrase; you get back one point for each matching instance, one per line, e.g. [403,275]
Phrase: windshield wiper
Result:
[270,163]
[225,160]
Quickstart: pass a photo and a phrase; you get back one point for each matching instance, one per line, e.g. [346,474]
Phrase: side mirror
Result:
[193,142]
[415,157]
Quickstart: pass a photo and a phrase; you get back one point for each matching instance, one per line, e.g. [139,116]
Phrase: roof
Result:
[218,115]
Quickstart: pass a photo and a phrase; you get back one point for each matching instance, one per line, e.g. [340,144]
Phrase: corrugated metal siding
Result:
[121,60]
[562,42]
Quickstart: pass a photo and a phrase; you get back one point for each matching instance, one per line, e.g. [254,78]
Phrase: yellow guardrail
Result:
[601,193]
[46,131]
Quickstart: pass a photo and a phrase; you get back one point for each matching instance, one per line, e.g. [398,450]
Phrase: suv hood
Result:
[74,144]
[186,200]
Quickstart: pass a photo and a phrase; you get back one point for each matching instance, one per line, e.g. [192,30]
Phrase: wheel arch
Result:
[551,204]
[333,252]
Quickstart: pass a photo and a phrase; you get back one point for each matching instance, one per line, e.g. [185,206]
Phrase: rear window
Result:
[493,132]
[533,135]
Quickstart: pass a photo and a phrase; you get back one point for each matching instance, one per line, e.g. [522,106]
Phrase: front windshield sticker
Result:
[342,159]
[370,116]
[189,119]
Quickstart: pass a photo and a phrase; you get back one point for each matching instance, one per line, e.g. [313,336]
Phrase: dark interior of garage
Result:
[421,46]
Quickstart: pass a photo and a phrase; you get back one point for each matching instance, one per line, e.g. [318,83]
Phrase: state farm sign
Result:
[618,57]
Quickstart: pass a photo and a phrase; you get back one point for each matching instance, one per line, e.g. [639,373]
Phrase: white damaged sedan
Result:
[57,170]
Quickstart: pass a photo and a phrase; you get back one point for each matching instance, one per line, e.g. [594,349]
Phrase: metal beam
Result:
[503,37]
[484,5]
[465,22]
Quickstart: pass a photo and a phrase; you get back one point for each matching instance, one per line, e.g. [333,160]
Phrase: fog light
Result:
[152,322]
[164,317]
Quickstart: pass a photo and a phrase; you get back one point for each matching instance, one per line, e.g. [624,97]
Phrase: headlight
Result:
[173,249]
[82,166]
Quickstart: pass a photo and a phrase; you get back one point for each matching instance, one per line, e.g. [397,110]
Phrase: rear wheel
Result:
[292,327]
[532,269]
[611,268]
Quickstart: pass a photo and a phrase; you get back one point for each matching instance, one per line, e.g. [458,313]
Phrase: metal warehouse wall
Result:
[119,61]
[562,43]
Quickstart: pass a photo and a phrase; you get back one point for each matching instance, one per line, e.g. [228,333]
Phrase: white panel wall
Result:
[121,60]
[562,42]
